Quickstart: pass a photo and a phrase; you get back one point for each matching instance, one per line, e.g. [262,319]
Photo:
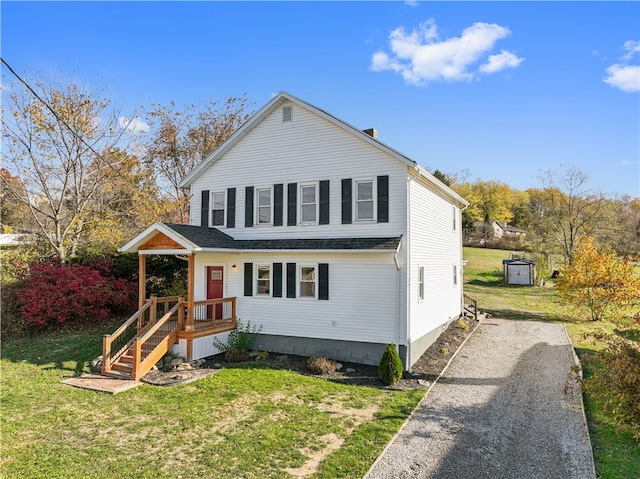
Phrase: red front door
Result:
[215,289]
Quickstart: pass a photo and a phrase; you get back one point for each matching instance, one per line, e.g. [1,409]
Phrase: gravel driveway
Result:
[506,408]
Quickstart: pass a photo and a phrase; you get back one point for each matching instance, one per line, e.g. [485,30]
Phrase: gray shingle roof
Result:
[212,238]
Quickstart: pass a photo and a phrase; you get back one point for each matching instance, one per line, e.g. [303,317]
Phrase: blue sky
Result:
[500,89]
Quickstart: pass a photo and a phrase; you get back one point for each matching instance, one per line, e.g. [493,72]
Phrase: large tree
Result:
[565,211]
[180,139]
[52,146]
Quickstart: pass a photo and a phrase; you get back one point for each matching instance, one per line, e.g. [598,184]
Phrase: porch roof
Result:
[191,238]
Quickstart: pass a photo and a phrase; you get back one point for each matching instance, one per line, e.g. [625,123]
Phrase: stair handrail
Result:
[138,364]
[473,302]
[108,339]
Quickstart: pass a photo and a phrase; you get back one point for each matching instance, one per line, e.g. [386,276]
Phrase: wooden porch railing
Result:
[151,331]
[470,306]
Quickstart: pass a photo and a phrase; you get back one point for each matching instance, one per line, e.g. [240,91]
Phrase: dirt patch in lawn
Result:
[424,371]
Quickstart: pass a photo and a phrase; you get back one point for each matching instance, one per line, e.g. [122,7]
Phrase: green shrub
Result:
[321,365]
[239,342]
[390,367]
[617,383]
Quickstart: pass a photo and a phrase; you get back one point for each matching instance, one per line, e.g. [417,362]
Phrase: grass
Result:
[242,422]
[616,453]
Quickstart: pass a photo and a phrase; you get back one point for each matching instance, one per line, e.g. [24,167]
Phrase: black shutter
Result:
[383,199]
[231,208]
[248,207]
[277,280]
[204,209]
[291,280]
[323,281]
[347,201]
[324,202]
[248,279]
[278,199]
[292,203]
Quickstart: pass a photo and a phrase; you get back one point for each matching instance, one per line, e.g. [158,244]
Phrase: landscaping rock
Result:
[96,365]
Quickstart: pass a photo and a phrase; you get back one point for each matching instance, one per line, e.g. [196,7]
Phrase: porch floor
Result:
[97,382]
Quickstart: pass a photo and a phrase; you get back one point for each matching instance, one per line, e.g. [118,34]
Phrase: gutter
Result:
[408,279]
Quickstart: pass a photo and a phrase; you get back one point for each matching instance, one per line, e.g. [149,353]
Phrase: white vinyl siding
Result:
[435,246]
[365,276]
[307,150]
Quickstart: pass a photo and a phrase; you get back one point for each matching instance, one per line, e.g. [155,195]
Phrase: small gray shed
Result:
[519,271]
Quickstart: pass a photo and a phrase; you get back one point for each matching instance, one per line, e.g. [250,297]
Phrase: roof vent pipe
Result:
[372,132]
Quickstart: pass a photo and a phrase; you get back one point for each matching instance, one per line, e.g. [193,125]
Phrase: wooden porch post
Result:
[142,279]
[190,326]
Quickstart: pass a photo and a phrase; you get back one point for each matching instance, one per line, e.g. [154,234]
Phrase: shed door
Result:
[519,274]
[215,289]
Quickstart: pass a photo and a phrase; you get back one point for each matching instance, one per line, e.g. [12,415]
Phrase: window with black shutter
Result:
[291,280]
[323,281]
[231,208]
[383,199]
[277,280]
[204,208]
[292,204]
[278,206]
[248,207]
[324,202]
[347,201]
[248,279]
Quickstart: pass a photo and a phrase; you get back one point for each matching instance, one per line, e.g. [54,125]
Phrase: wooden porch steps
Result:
[123,366]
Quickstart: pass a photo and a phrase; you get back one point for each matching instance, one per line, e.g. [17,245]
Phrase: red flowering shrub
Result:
[56,294]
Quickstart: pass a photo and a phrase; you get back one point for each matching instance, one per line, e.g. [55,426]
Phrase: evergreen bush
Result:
[390,367]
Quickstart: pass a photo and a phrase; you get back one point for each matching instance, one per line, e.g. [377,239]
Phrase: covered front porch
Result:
[163,323]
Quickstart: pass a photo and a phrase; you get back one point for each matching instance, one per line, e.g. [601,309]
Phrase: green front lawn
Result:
[240,422]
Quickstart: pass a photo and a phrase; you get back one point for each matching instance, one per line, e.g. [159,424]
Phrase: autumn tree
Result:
[565,211]
[489,201]
[52,143]
[600,282]
[13,213]
[180,139]
[126,202]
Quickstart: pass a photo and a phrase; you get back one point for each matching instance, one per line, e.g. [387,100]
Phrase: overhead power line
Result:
[61,120]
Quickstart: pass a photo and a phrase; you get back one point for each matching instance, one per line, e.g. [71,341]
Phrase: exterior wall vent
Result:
[372,132]
[287,113]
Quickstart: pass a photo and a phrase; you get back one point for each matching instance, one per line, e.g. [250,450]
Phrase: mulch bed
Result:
[424,371]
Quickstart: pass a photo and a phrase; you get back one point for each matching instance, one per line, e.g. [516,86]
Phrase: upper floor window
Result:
[263,280]
[309,204]
[365,200]
[264,206]
[217,209]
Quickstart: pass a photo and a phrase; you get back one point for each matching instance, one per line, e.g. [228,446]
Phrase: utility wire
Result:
[61,120]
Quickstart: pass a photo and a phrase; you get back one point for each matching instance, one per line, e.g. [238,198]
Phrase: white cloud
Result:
[133,125]
[411,3]
[499,62]
[622,76]
[421,56]
[631,47]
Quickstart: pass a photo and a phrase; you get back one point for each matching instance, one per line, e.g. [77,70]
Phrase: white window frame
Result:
[224,208]
[374,199]
[455,275]
[288,115]
[420,283]
[269,267]
[300,280]
[316,186]
[257,205]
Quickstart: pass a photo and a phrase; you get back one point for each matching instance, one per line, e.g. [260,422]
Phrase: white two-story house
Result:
[332,242]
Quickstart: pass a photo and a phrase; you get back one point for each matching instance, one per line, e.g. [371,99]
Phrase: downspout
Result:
[397,263]
[462,262]
[408,280]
